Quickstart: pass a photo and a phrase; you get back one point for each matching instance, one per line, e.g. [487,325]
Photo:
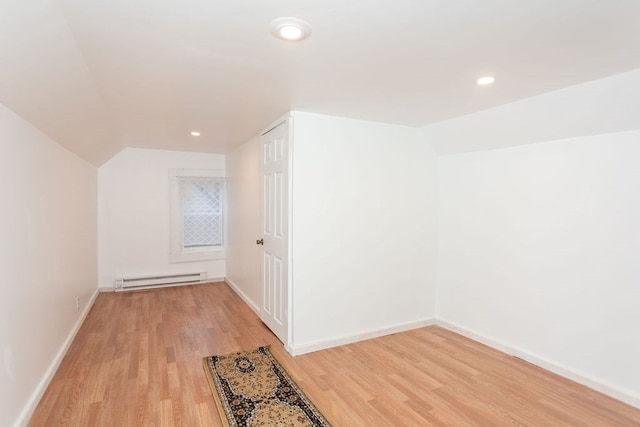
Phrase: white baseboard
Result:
[625,396]
[32,403]
[496,344]
[297,350]
[242,295]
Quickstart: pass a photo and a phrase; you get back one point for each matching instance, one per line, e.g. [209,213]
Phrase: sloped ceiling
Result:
[101,75]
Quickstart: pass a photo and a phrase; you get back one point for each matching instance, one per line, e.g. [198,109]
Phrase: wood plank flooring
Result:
[137,361]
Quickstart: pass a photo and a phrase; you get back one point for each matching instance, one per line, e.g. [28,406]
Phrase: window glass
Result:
[202,213]
[197,215]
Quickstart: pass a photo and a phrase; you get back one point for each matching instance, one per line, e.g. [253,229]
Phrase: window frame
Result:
[177,252]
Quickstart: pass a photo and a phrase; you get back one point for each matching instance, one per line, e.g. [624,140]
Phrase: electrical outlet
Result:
[77,303]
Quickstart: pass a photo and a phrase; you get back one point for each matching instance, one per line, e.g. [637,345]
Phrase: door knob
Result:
[260,242]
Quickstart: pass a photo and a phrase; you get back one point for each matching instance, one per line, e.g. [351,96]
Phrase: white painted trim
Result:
[297,350]
[493,343]
[626,396]
[290,312]
[32,403]
[274,124]
[242,296]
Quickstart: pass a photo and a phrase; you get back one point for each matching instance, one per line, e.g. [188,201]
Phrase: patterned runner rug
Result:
[252,389]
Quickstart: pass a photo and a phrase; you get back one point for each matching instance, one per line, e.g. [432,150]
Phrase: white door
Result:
[275,230]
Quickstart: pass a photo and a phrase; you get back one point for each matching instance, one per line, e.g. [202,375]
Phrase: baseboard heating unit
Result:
[155,281]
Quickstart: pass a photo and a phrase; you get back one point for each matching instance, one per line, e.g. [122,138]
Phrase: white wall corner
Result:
[297,350]
[32,403]
[242,296]
[626,396]
[482,339]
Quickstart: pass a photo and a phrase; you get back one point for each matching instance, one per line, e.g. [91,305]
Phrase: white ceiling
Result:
[101,75]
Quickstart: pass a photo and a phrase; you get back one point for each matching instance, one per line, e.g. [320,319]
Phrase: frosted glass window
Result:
[202,212]
[197,221]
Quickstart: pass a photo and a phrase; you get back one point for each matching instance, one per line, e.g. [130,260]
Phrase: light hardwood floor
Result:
[137,361]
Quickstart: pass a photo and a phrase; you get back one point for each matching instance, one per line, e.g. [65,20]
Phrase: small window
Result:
[202,219]
[197,215]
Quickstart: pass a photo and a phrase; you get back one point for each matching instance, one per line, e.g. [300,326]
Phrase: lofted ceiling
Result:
[101,75]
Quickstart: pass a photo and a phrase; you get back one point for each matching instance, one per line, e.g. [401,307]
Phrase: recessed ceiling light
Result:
[195,133]
[290,29]
[487,80]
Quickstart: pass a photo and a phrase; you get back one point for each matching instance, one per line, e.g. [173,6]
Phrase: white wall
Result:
[538,243]
[243,223]
[134,214]
[364,228]
[47,258]
[539,251]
